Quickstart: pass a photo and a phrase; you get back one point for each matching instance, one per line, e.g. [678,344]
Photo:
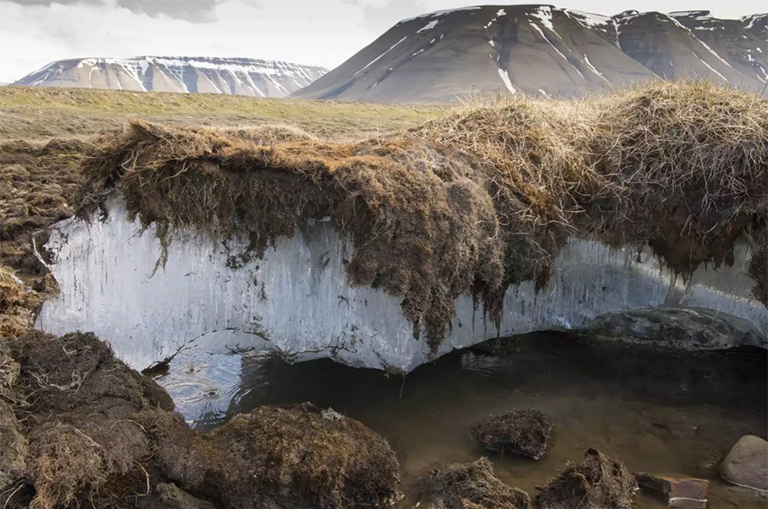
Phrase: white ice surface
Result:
[297,301]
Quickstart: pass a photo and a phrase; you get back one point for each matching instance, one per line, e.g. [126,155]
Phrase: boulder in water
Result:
[747,463]
[678,328]
[681,493]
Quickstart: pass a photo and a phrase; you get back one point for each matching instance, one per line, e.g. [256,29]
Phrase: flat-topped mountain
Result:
[242,76]
[546,51]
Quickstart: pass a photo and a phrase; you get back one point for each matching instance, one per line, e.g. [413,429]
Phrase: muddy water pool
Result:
[658,411]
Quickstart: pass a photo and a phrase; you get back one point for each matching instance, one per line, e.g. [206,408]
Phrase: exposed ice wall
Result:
[297,299]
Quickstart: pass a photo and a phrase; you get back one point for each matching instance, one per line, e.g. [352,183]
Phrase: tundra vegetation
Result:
[473,201]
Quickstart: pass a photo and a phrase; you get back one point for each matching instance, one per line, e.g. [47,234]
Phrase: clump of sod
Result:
[598,482]
[473,202]
[519,431]
[296,456]
[471,486]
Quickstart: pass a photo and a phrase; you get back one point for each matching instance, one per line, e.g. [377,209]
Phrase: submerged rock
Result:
[683,328]
[471,486]
[747,463]
[170,496]
[598,482]
[681,493]
[523,431]
[273,457]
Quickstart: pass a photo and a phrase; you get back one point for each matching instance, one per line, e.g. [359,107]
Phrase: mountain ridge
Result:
[235,76]
[546,51]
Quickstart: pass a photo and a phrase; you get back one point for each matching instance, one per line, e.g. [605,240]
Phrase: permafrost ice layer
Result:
[297,300]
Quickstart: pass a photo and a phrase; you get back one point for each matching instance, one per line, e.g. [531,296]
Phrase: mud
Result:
[297,457]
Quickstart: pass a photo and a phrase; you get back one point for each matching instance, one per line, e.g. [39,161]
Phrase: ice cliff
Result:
[150,299]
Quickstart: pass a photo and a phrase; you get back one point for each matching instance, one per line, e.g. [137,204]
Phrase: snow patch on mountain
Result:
[262,78]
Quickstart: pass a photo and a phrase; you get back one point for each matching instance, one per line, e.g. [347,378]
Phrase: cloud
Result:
[381,16]
[198,11]
[301,31]
[34,33]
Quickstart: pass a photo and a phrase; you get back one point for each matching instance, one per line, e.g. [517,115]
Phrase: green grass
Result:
[27,112]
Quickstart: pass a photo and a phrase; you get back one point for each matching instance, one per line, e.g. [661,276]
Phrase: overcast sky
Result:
[323,32]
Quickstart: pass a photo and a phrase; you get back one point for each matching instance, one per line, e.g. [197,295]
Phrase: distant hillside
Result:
[237,76]
[546,51]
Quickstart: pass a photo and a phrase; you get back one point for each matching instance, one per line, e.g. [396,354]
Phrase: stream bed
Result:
[663,412]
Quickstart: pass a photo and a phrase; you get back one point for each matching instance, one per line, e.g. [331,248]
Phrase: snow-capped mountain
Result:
[243,76]
[546,51]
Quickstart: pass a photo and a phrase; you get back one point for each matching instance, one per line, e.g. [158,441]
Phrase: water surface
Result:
[658,411]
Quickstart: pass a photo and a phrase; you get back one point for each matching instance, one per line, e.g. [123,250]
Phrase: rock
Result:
[747,463]
[293,457]
[522,432]
[598,482]
[681,493]
[173,497]
[471,486]
[13,447]
[681,328]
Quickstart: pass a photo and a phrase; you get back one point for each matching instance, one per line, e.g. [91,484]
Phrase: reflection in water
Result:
[203,385]
[663,412]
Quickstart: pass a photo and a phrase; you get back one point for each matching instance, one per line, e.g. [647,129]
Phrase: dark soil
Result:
[296,457]
[37,183]
[471,486]
[598,482]
[523,431]
[79,427]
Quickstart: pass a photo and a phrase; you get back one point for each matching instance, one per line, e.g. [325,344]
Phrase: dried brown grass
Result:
[472,202]
[598,482]
[66,462]
[471,486]
[519,431]
[17,304]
